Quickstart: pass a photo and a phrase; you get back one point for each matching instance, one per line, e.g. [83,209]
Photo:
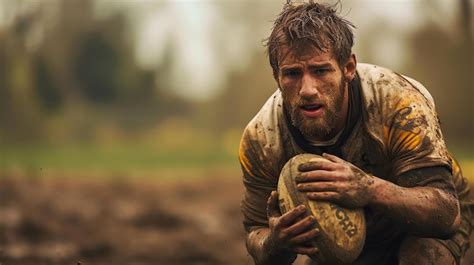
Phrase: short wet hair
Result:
[310,25]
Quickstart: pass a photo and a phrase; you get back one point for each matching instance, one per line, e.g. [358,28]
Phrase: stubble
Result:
[321,128]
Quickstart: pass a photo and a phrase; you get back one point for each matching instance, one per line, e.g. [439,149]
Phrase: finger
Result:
[292,216]
[305,224]
[318,186]
[273,209]
[323,196]
[317,175]
[306,250]
[315,165]
[304,237]
[333,158]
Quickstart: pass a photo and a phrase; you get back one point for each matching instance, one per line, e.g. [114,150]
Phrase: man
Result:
[379,131]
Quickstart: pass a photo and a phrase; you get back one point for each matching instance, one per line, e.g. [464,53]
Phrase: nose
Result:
[309,88]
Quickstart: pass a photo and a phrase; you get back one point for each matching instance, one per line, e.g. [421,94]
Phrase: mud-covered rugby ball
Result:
[342,230]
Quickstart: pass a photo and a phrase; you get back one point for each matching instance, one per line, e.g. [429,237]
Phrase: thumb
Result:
[273,210]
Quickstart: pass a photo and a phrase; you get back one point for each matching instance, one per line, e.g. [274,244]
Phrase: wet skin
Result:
[314,90]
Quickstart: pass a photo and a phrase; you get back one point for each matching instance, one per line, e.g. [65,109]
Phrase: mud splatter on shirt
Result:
[398,130]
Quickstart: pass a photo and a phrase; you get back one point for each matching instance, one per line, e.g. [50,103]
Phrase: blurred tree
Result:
[246,91]
[83,69]
[249,80]
[47,90]
[96,68]
[20,116]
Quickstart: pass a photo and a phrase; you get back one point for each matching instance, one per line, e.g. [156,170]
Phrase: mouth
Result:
[312,110]
[311,107]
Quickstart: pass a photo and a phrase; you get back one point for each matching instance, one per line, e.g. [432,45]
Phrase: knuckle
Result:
[298,250]
[295,241]
[283,235]
[307,220]
[310,220]
[345,176]
[276,224]
[304,238]
[272,225]
[277,221]
[314,250]
[304,251]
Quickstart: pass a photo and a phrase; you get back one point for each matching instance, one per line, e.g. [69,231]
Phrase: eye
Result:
[320,71]
[291,73]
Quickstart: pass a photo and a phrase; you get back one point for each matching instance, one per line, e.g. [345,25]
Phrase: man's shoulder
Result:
[400,114]
[262,145]
[387,87]
[264,125]
[391,100]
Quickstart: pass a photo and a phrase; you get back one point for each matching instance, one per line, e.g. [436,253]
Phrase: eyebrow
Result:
[290,67]
[320,65]
[310,65]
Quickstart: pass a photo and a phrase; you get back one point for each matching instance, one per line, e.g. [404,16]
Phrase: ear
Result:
[350,68]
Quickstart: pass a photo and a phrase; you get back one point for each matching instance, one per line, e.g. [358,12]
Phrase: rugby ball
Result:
[342,230]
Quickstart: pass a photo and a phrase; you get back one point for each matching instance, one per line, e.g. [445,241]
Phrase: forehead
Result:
[290,56]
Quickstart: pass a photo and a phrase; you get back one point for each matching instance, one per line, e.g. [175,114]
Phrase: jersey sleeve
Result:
[259,181]
[437,177]
[413,134]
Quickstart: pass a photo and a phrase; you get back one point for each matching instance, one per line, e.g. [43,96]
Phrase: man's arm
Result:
[272,238]
[285,236]
[423,211]
[262,252]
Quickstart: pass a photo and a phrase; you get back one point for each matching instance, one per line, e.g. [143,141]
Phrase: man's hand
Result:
[336,181]
[292,231]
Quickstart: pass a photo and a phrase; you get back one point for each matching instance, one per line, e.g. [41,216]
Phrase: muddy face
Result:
[314,91]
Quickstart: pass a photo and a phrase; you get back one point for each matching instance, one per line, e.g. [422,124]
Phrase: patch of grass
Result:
[132,159]
[122,159]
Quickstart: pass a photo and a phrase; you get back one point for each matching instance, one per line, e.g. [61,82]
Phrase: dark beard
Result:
[323,128]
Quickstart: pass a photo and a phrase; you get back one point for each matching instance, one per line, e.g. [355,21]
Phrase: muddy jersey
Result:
[397,131]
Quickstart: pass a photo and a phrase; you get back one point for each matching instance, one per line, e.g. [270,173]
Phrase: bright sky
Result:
[191,27]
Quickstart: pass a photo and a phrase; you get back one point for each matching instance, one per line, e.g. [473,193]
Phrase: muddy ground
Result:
[71,221]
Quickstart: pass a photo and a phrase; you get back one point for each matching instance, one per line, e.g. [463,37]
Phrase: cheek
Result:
[289,99]
[288,83]
[332,89]
[289,89]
